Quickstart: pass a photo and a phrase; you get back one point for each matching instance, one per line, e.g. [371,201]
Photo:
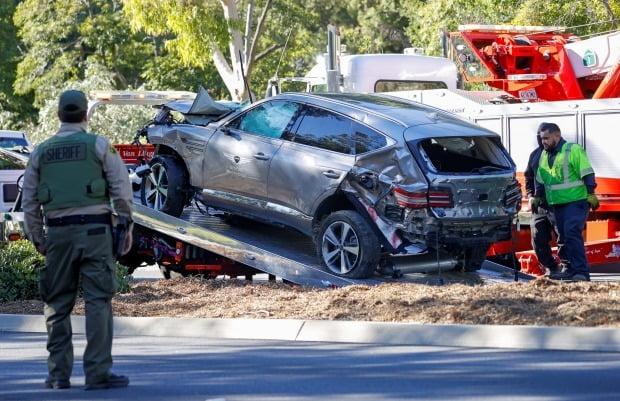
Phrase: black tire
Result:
[474,257]
[165,271]
[166,188]
[133,260]
[347,245]
[172,271]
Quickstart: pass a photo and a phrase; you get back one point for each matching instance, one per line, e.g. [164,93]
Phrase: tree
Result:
[226,33]
[89,45]
[580,17]
[373,26]
[64,36]
[16,112]
[428,19]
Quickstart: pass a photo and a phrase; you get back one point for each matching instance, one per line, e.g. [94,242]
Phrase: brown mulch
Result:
[540,302]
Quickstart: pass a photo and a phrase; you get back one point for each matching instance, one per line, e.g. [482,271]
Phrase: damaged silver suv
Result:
[367,176]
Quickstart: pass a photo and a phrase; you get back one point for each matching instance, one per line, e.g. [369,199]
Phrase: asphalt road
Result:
[297,360]
[166,368]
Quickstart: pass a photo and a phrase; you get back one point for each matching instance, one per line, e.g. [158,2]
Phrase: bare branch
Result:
[248,29]
[268,51]
[260,26]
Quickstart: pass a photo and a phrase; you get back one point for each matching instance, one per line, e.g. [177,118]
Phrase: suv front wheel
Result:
[166,187]
[347,245]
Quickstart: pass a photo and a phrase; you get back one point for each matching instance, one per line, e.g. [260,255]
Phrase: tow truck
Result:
[538,73]
[543,74]
[200,243]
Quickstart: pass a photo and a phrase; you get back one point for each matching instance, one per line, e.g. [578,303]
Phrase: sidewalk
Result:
[483,336]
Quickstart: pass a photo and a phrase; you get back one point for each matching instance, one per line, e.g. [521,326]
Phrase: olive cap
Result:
[72,101]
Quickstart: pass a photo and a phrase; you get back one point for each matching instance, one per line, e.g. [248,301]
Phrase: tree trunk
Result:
[231,73]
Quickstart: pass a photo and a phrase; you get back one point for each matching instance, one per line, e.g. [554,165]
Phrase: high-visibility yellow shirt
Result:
[563,181]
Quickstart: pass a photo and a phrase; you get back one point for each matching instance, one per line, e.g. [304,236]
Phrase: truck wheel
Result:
[474,257]
[166,187]
[172,271]
[347,245]
[165,271]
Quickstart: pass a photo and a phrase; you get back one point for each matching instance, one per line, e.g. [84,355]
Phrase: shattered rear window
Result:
[463,155]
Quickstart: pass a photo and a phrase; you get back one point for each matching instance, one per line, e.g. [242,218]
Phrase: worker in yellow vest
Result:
[565,180]
[542,223]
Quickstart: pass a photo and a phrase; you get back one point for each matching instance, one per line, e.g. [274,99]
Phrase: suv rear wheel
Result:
[347,246]
[166,187]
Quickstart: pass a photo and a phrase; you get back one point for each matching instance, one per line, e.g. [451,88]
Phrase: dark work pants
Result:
[571,221]
[75,252]
[542,227]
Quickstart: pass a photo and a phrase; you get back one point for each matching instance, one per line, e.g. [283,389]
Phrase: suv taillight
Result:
[513,195]
[436,197]
[415,200]
[440,198]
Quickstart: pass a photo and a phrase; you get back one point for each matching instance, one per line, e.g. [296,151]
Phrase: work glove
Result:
[534,203]
[593,201]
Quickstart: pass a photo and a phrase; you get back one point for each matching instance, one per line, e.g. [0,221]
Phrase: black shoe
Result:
[565,267]
[570,276]
[57,384]
[112,381]
[552,270]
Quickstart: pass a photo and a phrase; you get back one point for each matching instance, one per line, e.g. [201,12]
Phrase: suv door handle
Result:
[261,156]
[331,174]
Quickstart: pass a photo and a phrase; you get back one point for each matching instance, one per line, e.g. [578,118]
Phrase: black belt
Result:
[80,219]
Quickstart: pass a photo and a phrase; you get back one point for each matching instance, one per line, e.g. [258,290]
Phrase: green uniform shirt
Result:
[71,156]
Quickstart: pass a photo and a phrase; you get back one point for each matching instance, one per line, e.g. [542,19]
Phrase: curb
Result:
[482,336]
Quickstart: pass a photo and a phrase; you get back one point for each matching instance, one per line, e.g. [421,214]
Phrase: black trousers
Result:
[543,227]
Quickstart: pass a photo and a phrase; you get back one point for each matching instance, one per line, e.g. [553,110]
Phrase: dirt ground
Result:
[539,302]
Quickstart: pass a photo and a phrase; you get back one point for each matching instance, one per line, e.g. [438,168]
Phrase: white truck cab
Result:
[374,73]
[371,73]
[337,71]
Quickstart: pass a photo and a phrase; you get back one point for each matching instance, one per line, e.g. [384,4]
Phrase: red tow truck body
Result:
[551,75]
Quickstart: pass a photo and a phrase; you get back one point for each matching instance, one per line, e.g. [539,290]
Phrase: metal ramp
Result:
[234,243]
[286,253]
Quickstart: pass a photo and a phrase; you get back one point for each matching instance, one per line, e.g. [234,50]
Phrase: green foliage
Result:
[587,17]
[90,46]
[64,37]
[19,272]
[123,279]
[376,27]
[117,123]
[203,32]
[16,112]
[196,25]
[428,19]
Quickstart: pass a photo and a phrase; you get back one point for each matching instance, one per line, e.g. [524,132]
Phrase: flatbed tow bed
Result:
[281,252]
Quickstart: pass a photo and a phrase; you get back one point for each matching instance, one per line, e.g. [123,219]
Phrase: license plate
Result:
[529,94]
